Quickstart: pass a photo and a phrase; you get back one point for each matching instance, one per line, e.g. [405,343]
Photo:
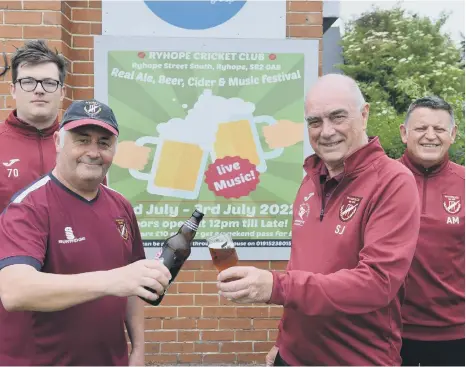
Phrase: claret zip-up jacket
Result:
[26,154]
[434,305]
[344,285]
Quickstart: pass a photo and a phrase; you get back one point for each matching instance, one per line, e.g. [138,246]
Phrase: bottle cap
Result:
[197,214]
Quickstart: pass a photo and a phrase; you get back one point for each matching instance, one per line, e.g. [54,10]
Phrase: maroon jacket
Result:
[25,154]
[434,305]
[343,288]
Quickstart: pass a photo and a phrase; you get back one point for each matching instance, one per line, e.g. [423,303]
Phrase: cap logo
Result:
[92,109]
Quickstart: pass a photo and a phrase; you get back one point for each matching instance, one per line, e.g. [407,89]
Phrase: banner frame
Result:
[308,47]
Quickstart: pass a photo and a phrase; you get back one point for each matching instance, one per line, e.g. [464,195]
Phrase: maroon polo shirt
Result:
[57,231]
[328,184]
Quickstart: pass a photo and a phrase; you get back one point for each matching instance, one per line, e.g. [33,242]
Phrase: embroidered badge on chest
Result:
[122,228]
[303,211]
[349,207]
[452,204]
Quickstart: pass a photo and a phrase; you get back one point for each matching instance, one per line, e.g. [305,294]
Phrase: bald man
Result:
[354,230]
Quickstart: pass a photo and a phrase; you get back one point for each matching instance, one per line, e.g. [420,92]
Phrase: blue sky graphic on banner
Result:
[195,14]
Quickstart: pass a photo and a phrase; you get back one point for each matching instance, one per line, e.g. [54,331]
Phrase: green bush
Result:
[397,57]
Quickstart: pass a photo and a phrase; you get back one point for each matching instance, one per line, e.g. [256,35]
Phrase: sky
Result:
[350,9]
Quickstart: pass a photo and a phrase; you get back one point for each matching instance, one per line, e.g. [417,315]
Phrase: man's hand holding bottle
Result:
[130,280]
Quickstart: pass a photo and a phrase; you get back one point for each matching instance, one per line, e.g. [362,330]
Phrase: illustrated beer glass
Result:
[223,251]
[239,137]
[215,127]
[178,165]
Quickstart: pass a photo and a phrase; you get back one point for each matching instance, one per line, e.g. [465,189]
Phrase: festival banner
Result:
[208,129]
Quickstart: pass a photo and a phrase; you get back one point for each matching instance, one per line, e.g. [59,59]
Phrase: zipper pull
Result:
[321,214]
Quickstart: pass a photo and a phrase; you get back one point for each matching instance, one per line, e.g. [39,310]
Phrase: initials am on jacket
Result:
[452,205]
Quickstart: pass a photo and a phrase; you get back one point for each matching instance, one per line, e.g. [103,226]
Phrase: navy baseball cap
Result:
[89,112]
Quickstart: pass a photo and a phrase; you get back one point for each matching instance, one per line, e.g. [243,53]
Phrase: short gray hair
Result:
[61,134]
[346,81]
[359,97]
[434,103]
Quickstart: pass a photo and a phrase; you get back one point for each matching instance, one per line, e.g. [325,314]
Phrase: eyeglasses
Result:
[30,84]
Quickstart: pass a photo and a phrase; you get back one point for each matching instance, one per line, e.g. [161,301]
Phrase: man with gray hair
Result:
[354,231]
[71,252]
[433,311]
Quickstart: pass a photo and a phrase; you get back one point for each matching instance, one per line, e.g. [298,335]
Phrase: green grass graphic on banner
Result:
[200,120]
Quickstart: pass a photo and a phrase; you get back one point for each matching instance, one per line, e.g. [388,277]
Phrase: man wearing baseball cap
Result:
[91,112]
[72,252]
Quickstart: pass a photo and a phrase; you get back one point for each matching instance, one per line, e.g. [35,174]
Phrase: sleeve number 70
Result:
[13,172]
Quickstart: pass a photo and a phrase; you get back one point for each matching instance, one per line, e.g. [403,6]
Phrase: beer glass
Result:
[177,169]
[223,252]
[238,136]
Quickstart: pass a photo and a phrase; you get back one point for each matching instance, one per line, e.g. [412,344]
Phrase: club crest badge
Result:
[303,213]
[92,108]
[452,204]
[122,228]
[349,207]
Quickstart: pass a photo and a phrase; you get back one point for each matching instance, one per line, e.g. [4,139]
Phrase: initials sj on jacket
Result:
[348,207]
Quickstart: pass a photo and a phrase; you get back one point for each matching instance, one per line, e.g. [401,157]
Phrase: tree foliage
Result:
[397,57]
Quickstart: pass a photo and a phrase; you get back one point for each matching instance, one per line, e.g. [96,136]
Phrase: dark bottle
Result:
[177,248]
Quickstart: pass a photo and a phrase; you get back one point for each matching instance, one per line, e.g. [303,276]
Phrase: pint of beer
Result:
[223,252]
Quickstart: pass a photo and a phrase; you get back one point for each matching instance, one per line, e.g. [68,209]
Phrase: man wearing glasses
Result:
[27,151]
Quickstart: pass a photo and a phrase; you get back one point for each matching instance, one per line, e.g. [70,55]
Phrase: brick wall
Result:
[67,25]
[193,325]
[208,329]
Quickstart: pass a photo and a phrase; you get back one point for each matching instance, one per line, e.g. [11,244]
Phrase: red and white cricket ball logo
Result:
[452,204]
[349,207]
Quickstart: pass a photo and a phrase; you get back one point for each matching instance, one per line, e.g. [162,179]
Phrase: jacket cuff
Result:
[278,289]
